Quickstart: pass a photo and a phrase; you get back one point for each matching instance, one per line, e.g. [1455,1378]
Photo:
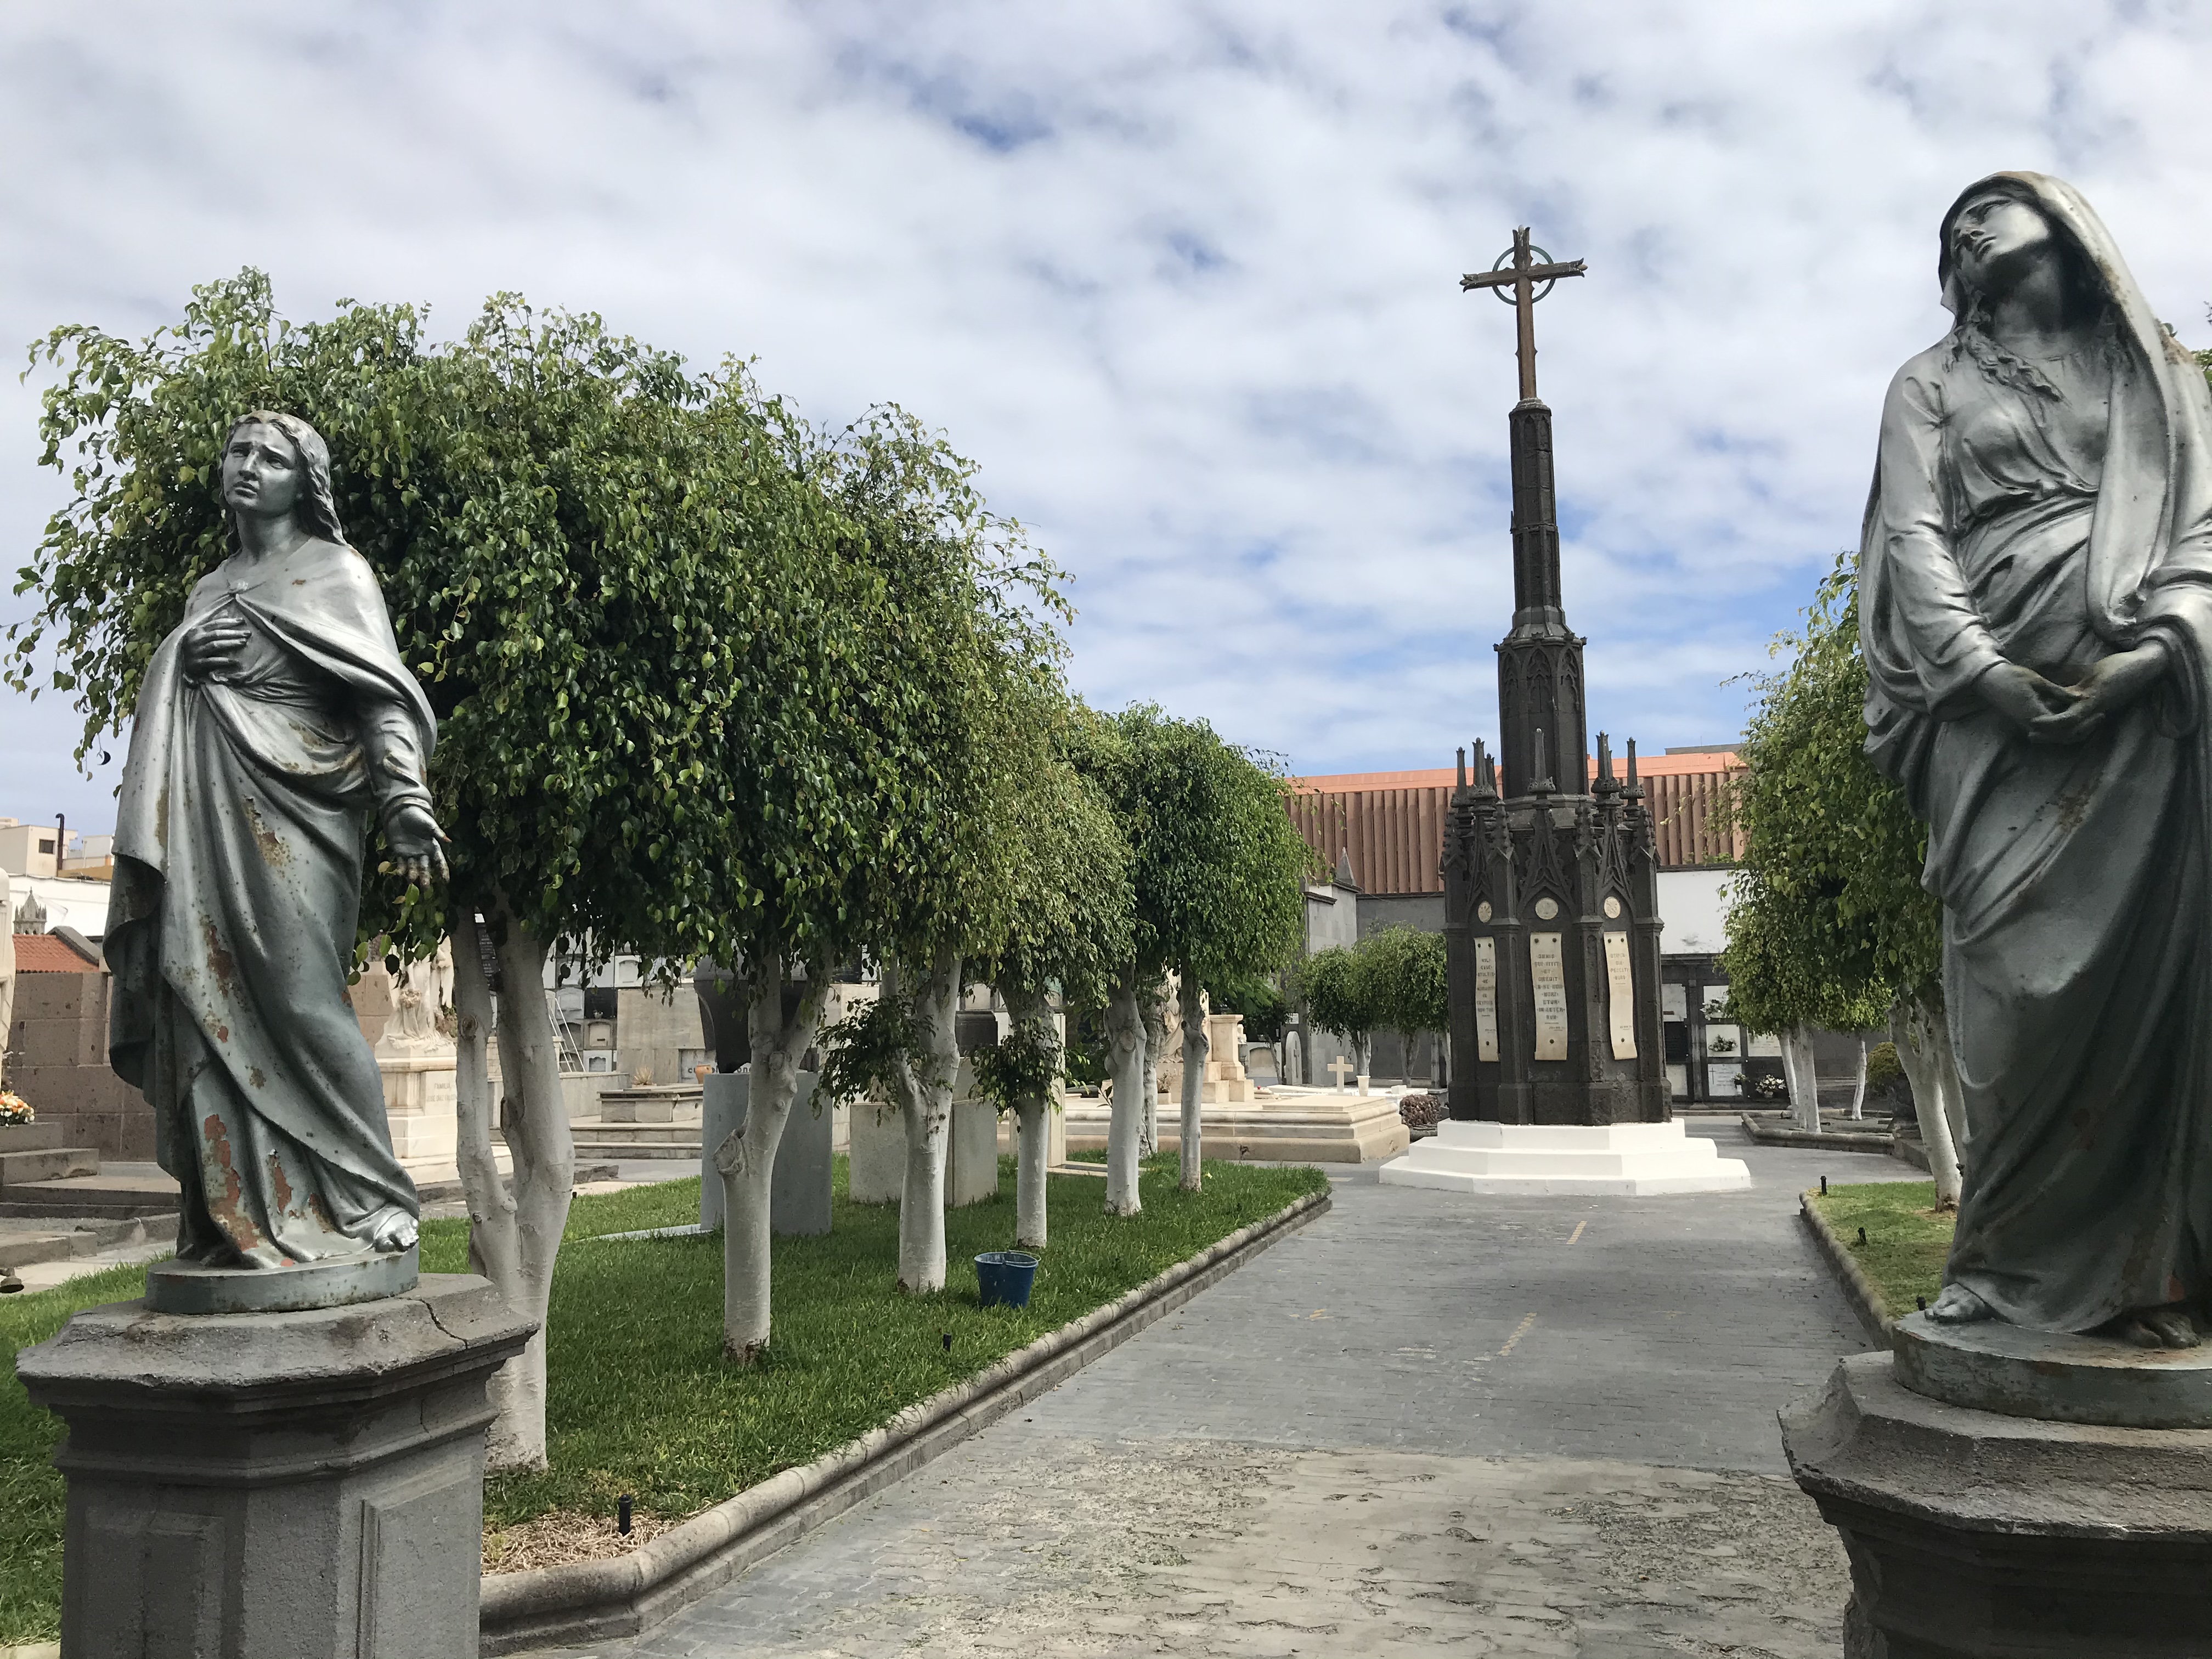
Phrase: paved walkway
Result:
[1534,1425]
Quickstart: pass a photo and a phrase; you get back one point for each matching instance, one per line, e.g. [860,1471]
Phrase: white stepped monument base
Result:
[1633,1160]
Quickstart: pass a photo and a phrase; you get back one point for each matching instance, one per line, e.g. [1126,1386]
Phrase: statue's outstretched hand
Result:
[417,843]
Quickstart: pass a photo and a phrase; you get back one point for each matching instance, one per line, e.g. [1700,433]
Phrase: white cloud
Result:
[1180,276]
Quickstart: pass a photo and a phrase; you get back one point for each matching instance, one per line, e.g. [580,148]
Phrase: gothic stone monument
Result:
[278,1453]
[2030,1471]
[1551,894]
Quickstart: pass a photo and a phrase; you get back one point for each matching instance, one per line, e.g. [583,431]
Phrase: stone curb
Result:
[596,1600]
[1837,1141]
[1858,1290]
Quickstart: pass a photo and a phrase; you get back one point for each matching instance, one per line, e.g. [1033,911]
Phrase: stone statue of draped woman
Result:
[2035,593]
[272,722]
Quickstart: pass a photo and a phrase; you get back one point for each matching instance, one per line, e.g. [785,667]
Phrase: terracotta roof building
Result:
[1391,824]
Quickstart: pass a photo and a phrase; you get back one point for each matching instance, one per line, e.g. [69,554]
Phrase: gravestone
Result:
[799,1185]
[876,1166]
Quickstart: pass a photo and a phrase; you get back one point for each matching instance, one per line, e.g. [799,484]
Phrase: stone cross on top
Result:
[1521,270]
[1342,1069]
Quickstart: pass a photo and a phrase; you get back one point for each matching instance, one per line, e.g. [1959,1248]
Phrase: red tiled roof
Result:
[42,953]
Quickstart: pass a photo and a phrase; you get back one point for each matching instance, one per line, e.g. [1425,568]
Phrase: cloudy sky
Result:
[1182,277]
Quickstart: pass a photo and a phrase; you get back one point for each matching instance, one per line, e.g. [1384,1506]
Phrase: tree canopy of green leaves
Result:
[1404,971]
[1830,924]
[1216,868]
[1338,996]
[584,548]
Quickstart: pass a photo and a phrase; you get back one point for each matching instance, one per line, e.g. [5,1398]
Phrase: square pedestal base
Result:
[1633,1160]
[1976,1536]
[276,1485]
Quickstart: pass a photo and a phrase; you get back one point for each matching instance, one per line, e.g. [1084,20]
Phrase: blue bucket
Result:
[1004,1276]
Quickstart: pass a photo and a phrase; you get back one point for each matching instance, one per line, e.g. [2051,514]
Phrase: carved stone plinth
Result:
[1976,1534]
[279,1485]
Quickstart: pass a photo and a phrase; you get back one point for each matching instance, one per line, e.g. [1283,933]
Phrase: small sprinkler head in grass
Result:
[948,1342]
[1862,1235]
[622,1515]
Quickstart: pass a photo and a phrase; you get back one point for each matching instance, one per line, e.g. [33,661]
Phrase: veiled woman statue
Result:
[2036,611]
[272,723]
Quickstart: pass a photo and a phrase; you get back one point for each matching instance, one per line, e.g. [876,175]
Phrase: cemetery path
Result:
[1528,1425]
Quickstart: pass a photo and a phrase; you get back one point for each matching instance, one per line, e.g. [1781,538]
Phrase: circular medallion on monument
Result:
[272,722]
[1546,908]
[1482,911]
[1612,907]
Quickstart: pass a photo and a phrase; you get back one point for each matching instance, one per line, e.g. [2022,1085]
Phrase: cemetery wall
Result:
[58,1060]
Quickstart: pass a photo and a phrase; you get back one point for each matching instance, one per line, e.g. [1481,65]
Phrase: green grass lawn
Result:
[640,1400]
[1907,1238]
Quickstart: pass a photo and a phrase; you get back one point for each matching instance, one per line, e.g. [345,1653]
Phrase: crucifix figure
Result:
[1522,270]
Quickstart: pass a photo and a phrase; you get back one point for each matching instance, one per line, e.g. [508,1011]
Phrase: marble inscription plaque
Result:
[1619,996]
[1485,998]
[1548,969]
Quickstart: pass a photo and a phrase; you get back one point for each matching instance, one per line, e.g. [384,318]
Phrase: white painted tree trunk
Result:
[1125,1055]
[513,1242]
[1858,1085]
[1195,1047]
[1920,1036]
[922,1087]
[1804,1081]
[745,1161]
[1031,1016]
[1155,1004]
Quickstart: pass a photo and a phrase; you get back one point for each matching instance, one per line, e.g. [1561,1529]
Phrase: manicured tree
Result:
[1339,998]
[1230,892]
[1217,869]
[553,531]
[968,678]
[1831,925]
[1070,927]
[1404,971]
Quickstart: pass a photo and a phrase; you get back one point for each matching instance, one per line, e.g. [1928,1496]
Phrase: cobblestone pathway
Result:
[1422,1424]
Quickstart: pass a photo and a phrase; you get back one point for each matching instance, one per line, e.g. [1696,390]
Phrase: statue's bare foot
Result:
[1958,1305]
[395,1233]
[2159,1327]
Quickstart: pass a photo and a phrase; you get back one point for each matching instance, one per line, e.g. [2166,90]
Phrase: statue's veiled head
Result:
[277,466]
[2002,227]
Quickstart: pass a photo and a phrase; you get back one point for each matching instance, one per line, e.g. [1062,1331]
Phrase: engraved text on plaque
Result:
[1485,998]
[1621,995]
[1548,969]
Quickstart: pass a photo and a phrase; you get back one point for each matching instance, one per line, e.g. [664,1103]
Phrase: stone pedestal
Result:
[285,1485]
[1982,1534]
[1310,1125]
[1621,1159]
[420,1104]
[1055,1135]
[876,1170]
[798,1186]
[971,1161]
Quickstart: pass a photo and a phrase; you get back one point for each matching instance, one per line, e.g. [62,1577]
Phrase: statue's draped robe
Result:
[239,846]
[2050,529]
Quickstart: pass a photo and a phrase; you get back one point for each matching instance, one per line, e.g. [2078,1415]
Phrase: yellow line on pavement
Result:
[1578,1233]
[1519,1331]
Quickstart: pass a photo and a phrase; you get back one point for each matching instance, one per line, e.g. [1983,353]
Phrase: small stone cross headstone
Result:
[1340,1068]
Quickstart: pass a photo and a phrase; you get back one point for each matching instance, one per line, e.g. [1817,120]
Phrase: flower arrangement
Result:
[13,1108]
